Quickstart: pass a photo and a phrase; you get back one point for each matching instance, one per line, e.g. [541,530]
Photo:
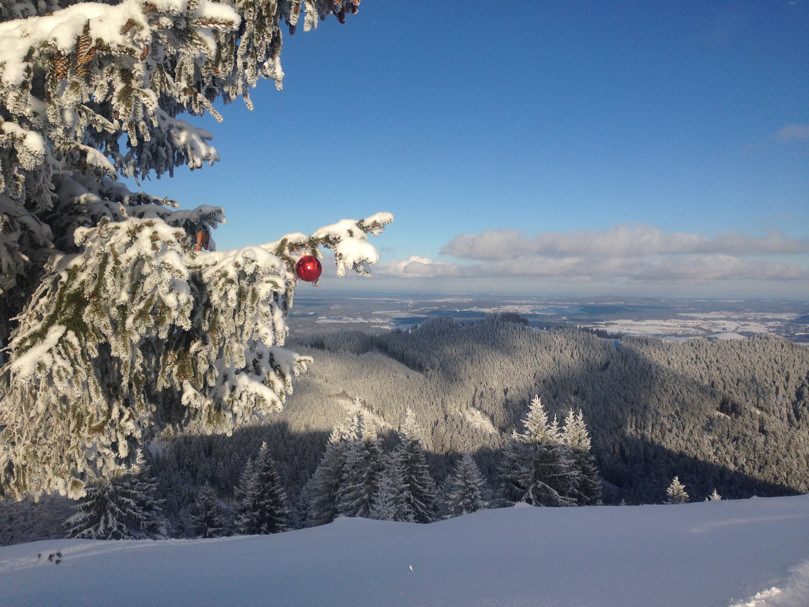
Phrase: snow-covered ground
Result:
[668,319]
[717,328]
[730,553]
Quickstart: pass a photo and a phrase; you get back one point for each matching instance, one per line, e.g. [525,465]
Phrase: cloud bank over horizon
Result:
[619,241]
[629,253]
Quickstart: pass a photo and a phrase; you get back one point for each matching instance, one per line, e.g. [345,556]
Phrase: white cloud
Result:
[617,241]
[691,268]
[784,135]
[417,267]
[793,131]
[625,254]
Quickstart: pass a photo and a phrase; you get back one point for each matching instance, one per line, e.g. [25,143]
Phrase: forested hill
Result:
[730,415]
[726,415]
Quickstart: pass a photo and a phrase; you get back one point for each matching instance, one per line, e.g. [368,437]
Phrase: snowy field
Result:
[729,553]
[668,319]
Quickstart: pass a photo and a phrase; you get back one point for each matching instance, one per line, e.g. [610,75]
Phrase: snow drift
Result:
[729,553]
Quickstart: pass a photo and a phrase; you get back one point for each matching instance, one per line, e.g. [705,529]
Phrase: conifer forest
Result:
[450,417]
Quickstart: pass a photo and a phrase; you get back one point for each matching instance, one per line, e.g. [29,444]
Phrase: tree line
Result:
[360,474]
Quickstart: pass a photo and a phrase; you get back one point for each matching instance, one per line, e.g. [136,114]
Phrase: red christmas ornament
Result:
[308,268]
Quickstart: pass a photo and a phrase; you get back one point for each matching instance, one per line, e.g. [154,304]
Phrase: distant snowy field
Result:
[731,553]
[668,319]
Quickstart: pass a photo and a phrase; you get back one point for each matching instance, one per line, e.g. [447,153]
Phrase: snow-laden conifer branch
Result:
[75,76]
[348,240]
[141,331]
[120,318]
[74,79]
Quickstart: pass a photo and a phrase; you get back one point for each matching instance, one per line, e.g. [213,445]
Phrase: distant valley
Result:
[667,319]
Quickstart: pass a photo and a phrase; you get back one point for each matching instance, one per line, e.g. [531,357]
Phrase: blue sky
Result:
[580,147]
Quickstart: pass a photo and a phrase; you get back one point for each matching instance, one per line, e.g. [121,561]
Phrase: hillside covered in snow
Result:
[730,553]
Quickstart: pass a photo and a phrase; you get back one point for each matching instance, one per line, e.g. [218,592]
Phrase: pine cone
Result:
[85,42]
[81,70]
[203,239]
[61,65]
[85,52]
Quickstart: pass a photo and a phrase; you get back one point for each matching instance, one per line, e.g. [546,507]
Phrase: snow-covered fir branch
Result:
[118,316]
[140,331]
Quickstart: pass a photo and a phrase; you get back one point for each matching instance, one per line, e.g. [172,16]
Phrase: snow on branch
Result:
[141,331]
[348,239]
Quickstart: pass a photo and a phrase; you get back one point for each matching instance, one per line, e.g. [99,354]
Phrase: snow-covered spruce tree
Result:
[391,501]
[263,507]
[362,470]
[319,495]
[208,518]
[151,519]
[417,484]
[587,489]
[465,490]
[676,493]
[244,486]
[123,507]
[101,513]
[119,318]
[537,468]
